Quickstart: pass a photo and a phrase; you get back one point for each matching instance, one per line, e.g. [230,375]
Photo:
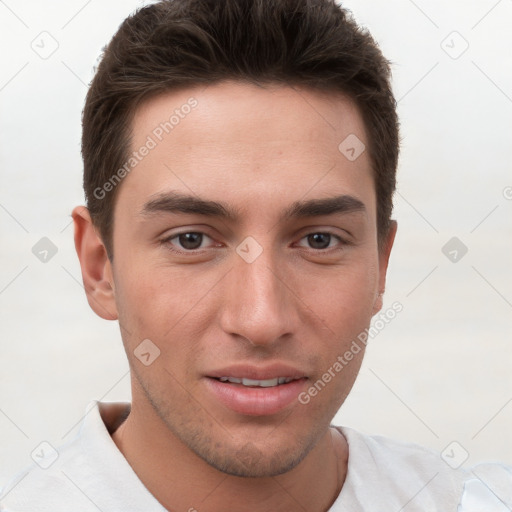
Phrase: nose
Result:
[259,305]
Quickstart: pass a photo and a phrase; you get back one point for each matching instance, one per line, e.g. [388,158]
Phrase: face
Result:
[245,247]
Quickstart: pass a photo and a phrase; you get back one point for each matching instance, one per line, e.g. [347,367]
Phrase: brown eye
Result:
[190,241]
[323,241]
[319,240]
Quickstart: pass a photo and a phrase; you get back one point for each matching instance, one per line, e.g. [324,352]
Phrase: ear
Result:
[384,252]
[95,264]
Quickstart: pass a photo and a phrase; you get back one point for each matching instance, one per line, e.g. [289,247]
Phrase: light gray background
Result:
[439,372]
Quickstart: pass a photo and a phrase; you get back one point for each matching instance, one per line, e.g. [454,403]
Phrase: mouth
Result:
[253,391]
[254,383]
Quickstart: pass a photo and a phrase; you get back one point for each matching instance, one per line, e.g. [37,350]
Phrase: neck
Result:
[180,480]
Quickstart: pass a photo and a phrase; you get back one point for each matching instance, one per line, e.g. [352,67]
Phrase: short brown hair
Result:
[178,43]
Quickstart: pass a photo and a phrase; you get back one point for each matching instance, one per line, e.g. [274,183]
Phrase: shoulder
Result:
[394,455]
[49,483]
[488,487]
[88,473]
[422,478]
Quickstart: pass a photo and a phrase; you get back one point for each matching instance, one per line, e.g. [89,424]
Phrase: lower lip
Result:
[255,401]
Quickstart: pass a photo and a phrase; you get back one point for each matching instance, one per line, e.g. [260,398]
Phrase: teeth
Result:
[231,379]
[269,383]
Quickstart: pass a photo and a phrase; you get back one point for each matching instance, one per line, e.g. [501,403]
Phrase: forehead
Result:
[236,141]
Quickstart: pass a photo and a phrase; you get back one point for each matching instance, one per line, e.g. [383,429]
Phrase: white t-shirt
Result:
[90,474]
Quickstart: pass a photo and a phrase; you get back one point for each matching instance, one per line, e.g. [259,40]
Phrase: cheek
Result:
[344,297]
[159,302]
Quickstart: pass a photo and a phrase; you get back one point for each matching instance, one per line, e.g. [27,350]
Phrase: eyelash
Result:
[167,241]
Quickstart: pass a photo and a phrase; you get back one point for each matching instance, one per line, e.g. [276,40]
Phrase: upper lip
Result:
[240,371]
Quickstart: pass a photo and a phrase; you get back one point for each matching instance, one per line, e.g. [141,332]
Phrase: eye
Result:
[189,241]
[319,241]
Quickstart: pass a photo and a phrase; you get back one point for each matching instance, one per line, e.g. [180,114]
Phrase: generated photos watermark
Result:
[357,345]
[157,135]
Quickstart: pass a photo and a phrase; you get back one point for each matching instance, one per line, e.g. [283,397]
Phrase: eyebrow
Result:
[326,206]
[174,202]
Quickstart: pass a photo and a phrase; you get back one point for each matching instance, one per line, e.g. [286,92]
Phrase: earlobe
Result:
[377,305]
[384,253]
[95,265]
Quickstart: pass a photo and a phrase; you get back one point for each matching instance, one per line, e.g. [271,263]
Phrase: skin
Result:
[256,150]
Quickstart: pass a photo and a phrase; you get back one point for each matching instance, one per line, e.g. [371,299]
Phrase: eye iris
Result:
[319,240]
[190,240]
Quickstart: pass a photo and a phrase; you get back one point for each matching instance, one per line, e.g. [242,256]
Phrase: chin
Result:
[251,462]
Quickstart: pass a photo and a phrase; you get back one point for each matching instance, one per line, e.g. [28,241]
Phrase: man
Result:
[239,166]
